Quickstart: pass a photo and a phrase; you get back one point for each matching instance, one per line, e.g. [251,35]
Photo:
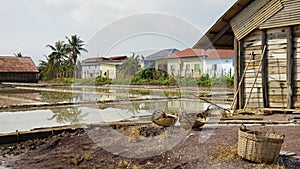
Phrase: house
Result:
[265,37]
[90,67]
[186,63]
[156,60]
[218,63]
[18,69]
[109,66]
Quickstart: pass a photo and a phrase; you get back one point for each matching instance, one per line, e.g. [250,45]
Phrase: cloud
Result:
[29,26]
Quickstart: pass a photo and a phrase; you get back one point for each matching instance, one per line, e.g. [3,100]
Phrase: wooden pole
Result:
[240,83]
[236,72]
[247,101]
[289,68]
[264,73]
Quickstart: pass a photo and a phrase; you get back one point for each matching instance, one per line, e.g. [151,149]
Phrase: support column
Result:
[289,68]
[241,99]
[236,72]
[264,71]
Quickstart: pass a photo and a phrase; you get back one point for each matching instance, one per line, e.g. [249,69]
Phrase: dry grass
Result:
[224,153]
[123,164]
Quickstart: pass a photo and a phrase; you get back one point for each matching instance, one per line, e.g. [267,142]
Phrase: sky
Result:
[108,27]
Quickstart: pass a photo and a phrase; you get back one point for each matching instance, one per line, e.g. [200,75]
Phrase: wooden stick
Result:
[211,102]
[263,53]
[240,83]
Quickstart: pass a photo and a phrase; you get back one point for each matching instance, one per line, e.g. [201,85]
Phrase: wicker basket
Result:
[259,146]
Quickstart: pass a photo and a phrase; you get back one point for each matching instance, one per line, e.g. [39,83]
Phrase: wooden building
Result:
[265,35]
[18,69]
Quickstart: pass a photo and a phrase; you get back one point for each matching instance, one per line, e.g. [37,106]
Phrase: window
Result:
[187,67]
[197,66]
[172,67]
[214,67]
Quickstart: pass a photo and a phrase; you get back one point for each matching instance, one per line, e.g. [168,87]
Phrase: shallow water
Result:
[23,120]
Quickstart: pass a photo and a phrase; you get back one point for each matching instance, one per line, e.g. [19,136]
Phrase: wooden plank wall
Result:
[277,53]
[296,70]
[288,16]
[252,49]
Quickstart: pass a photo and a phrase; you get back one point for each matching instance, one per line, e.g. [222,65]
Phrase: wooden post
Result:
[236,71]
[241,70]
[264,72]
[289,68]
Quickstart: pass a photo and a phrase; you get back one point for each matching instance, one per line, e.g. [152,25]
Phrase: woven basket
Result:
[259,146]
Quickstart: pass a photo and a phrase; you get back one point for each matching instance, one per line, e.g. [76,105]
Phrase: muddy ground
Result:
[79,150]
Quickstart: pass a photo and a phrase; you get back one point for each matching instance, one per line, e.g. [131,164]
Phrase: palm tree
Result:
[75,46]
[131,66]
[57,56]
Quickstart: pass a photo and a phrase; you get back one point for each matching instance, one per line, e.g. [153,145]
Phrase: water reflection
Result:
[26,120]
[70,115]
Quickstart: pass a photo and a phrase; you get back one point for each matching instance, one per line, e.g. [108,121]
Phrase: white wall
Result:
[223,67]
[90,71]
[188,69]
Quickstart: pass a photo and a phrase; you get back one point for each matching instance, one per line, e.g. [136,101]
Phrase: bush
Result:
[102,80]
[204,80]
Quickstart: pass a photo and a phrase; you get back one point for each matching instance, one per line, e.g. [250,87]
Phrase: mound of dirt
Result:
[78,150]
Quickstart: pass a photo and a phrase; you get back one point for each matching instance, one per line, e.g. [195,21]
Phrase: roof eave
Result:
[220,28]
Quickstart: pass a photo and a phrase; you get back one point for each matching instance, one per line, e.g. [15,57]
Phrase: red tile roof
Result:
[17,64]
[219,54]
[189,52]
[210,54]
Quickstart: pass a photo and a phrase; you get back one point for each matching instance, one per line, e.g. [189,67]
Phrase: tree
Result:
[132,65]
[75,46]
[57,57]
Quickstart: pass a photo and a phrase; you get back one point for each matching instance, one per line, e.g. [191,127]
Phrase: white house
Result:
[90,67]
[197,62]
[219,63]
[186,63]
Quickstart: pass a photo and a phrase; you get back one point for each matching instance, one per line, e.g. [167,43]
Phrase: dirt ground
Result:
[79,150]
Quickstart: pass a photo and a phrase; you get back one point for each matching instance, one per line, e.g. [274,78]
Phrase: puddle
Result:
[23,120]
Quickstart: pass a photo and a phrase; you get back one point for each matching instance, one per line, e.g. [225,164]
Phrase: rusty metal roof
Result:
[17,64]
[220,35]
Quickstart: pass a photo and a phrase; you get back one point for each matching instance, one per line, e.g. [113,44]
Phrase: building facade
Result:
[266,46]
[18,69]
[90,67]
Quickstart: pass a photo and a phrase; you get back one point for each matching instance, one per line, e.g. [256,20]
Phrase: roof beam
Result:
[219,34]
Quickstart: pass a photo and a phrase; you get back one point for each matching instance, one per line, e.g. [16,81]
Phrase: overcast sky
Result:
[125,26]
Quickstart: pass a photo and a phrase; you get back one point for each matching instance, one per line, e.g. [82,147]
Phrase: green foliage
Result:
[204,80]
[230,81]
[151,76]
[102,80]
[131,66]
[60,63]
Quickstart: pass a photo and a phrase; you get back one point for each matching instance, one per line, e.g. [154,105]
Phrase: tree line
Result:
[61,61]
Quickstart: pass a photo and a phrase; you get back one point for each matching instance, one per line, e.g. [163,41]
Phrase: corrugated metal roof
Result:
[17,64]
[161,54]
[220,35]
